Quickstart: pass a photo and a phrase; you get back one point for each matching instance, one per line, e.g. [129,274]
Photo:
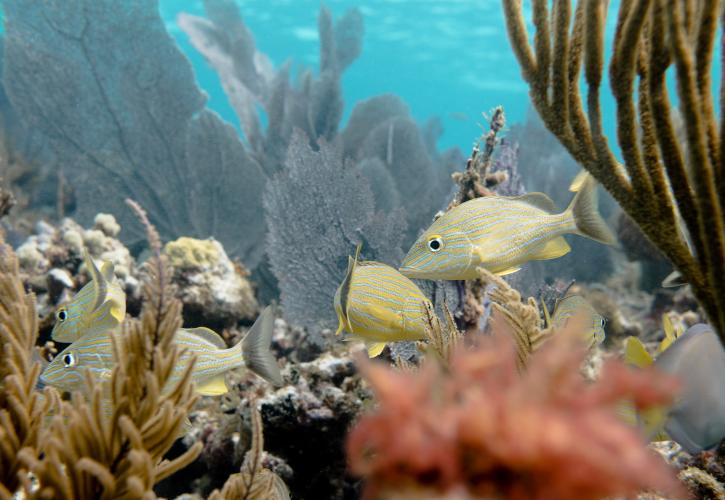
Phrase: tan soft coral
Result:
[483,429]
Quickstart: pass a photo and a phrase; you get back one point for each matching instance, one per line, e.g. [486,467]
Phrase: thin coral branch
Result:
[665,180]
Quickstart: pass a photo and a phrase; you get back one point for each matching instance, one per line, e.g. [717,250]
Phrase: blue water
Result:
[450,59]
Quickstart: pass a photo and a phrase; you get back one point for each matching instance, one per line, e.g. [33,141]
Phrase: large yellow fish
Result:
[502,233]
[577,308]
[94,352]
[379,305]
[99,306]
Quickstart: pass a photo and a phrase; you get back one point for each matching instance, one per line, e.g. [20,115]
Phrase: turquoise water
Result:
[450,59]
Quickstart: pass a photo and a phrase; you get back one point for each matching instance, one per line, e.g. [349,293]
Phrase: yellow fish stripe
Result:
[99,306]
[577,306]
[377,304]
[94,352]
[501,234]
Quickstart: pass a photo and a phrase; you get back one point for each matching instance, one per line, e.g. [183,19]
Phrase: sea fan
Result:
[481,429]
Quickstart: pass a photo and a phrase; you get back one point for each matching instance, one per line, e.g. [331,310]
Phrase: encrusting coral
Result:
[672,185]
[214,289]
[482,429]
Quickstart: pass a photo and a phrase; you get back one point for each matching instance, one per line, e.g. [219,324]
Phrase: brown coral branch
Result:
[665,178]
[22,409]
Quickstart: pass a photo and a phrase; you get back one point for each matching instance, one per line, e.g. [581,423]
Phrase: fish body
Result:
[379,305]
[577,308]
[98,307]
[697,419]
[94,352]
[501,234]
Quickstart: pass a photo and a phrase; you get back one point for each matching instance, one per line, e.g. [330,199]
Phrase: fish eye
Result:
[62,315]
[435,244]
[69,360]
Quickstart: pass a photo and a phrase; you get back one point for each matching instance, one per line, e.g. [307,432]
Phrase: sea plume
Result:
[481,429]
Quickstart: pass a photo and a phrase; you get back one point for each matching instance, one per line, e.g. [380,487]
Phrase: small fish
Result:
[697,419]
[99,306]
[94,352]
[577,308]
[379,305]
[502,233]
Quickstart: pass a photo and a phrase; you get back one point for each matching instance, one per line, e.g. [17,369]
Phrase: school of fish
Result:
[378,304]
[94,315]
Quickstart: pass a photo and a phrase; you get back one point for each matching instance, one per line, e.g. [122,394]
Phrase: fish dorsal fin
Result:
[578,181]
[538,200]
[100,286]
[213,387]
[107,270]
[209,335]
[347,282]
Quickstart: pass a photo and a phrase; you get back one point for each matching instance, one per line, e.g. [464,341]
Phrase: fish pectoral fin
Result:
[215,386]
[552,249]
[510,270]
[108,316]
[375,348]
[635,353]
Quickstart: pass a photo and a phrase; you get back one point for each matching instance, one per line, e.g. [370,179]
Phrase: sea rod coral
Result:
[480,429]
[672,185]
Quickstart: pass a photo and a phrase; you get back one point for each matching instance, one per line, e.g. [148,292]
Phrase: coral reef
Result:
[306,423]
[671,185]
[481,429]
[215,291]
[150,138]
[249,79]
[318,209]
[80,450]
[254,481]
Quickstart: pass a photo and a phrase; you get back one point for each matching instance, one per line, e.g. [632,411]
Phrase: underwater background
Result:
[380,249]
[446,59]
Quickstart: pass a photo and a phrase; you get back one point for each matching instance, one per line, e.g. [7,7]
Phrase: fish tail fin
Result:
[255,348]
[583,210]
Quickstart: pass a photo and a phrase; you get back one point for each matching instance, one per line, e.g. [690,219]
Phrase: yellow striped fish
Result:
[379,305]
[94,352]
[98,307]
[502,233]
[577,308]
